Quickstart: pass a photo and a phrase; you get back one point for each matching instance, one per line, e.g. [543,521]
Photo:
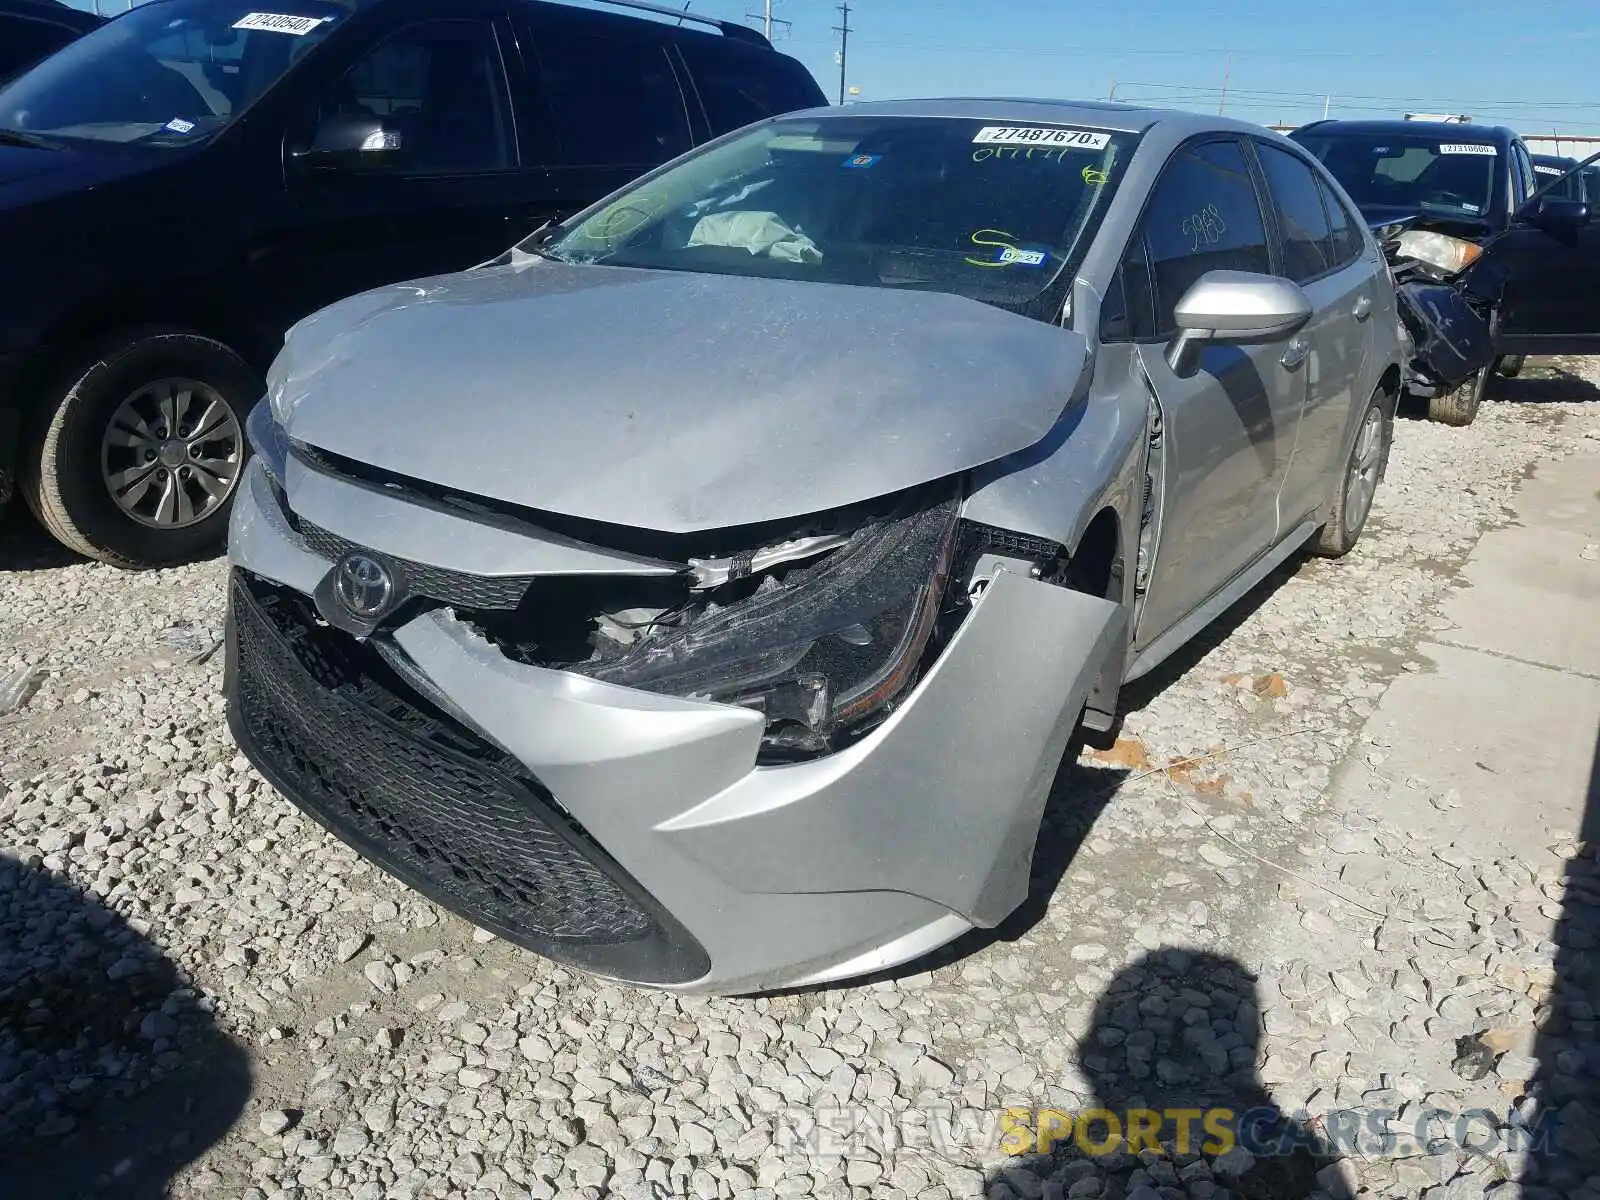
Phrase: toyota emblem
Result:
[363,585]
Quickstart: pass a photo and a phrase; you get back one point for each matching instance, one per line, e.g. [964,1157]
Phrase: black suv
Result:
[33,29]
[1517,244]
[185,182]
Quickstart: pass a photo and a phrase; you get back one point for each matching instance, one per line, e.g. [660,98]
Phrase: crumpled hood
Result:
[668,400]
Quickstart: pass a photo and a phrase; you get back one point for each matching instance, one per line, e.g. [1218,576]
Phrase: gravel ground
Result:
[201,992]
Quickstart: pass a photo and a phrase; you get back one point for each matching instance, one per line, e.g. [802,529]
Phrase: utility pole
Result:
[767,19]
[843,30]
[1227,69]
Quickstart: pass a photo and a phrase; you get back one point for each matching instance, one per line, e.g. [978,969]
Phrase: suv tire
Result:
[103,428]
[1460,404]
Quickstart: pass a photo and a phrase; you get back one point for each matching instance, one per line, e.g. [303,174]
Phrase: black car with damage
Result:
[1493,261]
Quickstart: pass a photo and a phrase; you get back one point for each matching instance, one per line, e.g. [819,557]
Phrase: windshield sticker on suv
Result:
[178,125]
[860,161]
[1549,170]
[1466,148]
[1006,253]
[279,23]
[1040,135]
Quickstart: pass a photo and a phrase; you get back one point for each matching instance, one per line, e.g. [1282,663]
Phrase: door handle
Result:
[1363,308]
[1299,350]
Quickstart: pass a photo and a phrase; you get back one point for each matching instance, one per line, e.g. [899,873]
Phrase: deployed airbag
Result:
[758,232]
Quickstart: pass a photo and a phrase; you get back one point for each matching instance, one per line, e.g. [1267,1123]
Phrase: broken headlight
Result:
[1452,255]
[820,649]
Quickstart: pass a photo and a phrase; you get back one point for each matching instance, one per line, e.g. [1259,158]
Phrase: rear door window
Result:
[1307,240]
[1345,242]
[1204,215]
[738,88]
[616,101]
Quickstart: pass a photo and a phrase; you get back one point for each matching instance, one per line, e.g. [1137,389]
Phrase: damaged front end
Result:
[822,628]
[1446,303]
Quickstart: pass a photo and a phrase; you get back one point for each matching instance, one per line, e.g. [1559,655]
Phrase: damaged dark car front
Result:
[1491,251]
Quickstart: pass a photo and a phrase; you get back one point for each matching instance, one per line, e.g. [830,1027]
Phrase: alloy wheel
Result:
[1365,462]
[171,453]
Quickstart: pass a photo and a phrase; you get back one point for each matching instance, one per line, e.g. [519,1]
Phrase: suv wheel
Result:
[1459,405]
[136,460]
[1510,365]
[1363,470]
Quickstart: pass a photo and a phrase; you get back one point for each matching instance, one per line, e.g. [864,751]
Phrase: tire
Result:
[1510,365]
[1367,462]
[1460,405]
[179,485]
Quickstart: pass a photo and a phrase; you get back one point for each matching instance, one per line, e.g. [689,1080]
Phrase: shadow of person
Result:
[1178,1108]
[1562,1154]
[113,1073]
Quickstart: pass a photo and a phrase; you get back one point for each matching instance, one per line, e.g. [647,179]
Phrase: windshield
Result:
[167,73]
[1422,173]
[992,212]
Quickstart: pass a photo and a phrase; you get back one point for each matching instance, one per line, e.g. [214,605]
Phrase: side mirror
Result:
[1557,216]
[1235,306]
[352,143]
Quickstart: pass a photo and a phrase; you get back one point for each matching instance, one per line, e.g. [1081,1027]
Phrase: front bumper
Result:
[632,834]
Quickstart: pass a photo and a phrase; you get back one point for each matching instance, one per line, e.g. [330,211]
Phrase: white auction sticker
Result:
[1040,135]
[1550,170]
[279,23]
[1466,148]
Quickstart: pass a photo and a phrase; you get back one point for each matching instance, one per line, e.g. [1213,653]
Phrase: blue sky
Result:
[1531,66]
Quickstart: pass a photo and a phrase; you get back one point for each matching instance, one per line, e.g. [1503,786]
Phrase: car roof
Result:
[1545,160]
[1498,134]
[1098,114]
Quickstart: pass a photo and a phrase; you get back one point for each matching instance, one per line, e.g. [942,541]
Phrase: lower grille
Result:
[442,809]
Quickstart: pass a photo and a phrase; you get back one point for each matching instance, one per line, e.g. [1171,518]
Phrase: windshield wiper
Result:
[15,137]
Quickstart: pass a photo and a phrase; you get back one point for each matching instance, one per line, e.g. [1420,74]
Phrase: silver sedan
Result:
[705,592]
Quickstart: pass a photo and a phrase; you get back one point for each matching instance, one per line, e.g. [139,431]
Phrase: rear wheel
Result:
[137,460]
[1460,405]
[1510,365]
[1359,482]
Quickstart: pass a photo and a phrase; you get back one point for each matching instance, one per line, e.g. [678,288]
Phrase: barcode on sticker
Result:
[279,23]
[1466,148]
[1041,135]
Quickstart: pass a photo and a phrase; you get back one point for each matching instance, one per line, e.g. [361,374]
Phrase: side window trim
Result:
[1332,204]
[694,104]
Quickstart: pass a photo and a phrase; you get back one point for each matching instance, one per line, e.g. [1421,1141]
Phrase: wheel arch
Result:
[126,316]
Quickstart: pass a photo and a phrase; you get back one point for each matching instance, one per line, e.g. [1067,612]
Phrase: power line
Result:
[768,20]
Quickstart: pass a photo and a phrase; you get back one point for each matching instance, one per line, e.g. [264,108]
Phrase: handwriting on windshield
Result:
[1204,228]
[1053,154]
